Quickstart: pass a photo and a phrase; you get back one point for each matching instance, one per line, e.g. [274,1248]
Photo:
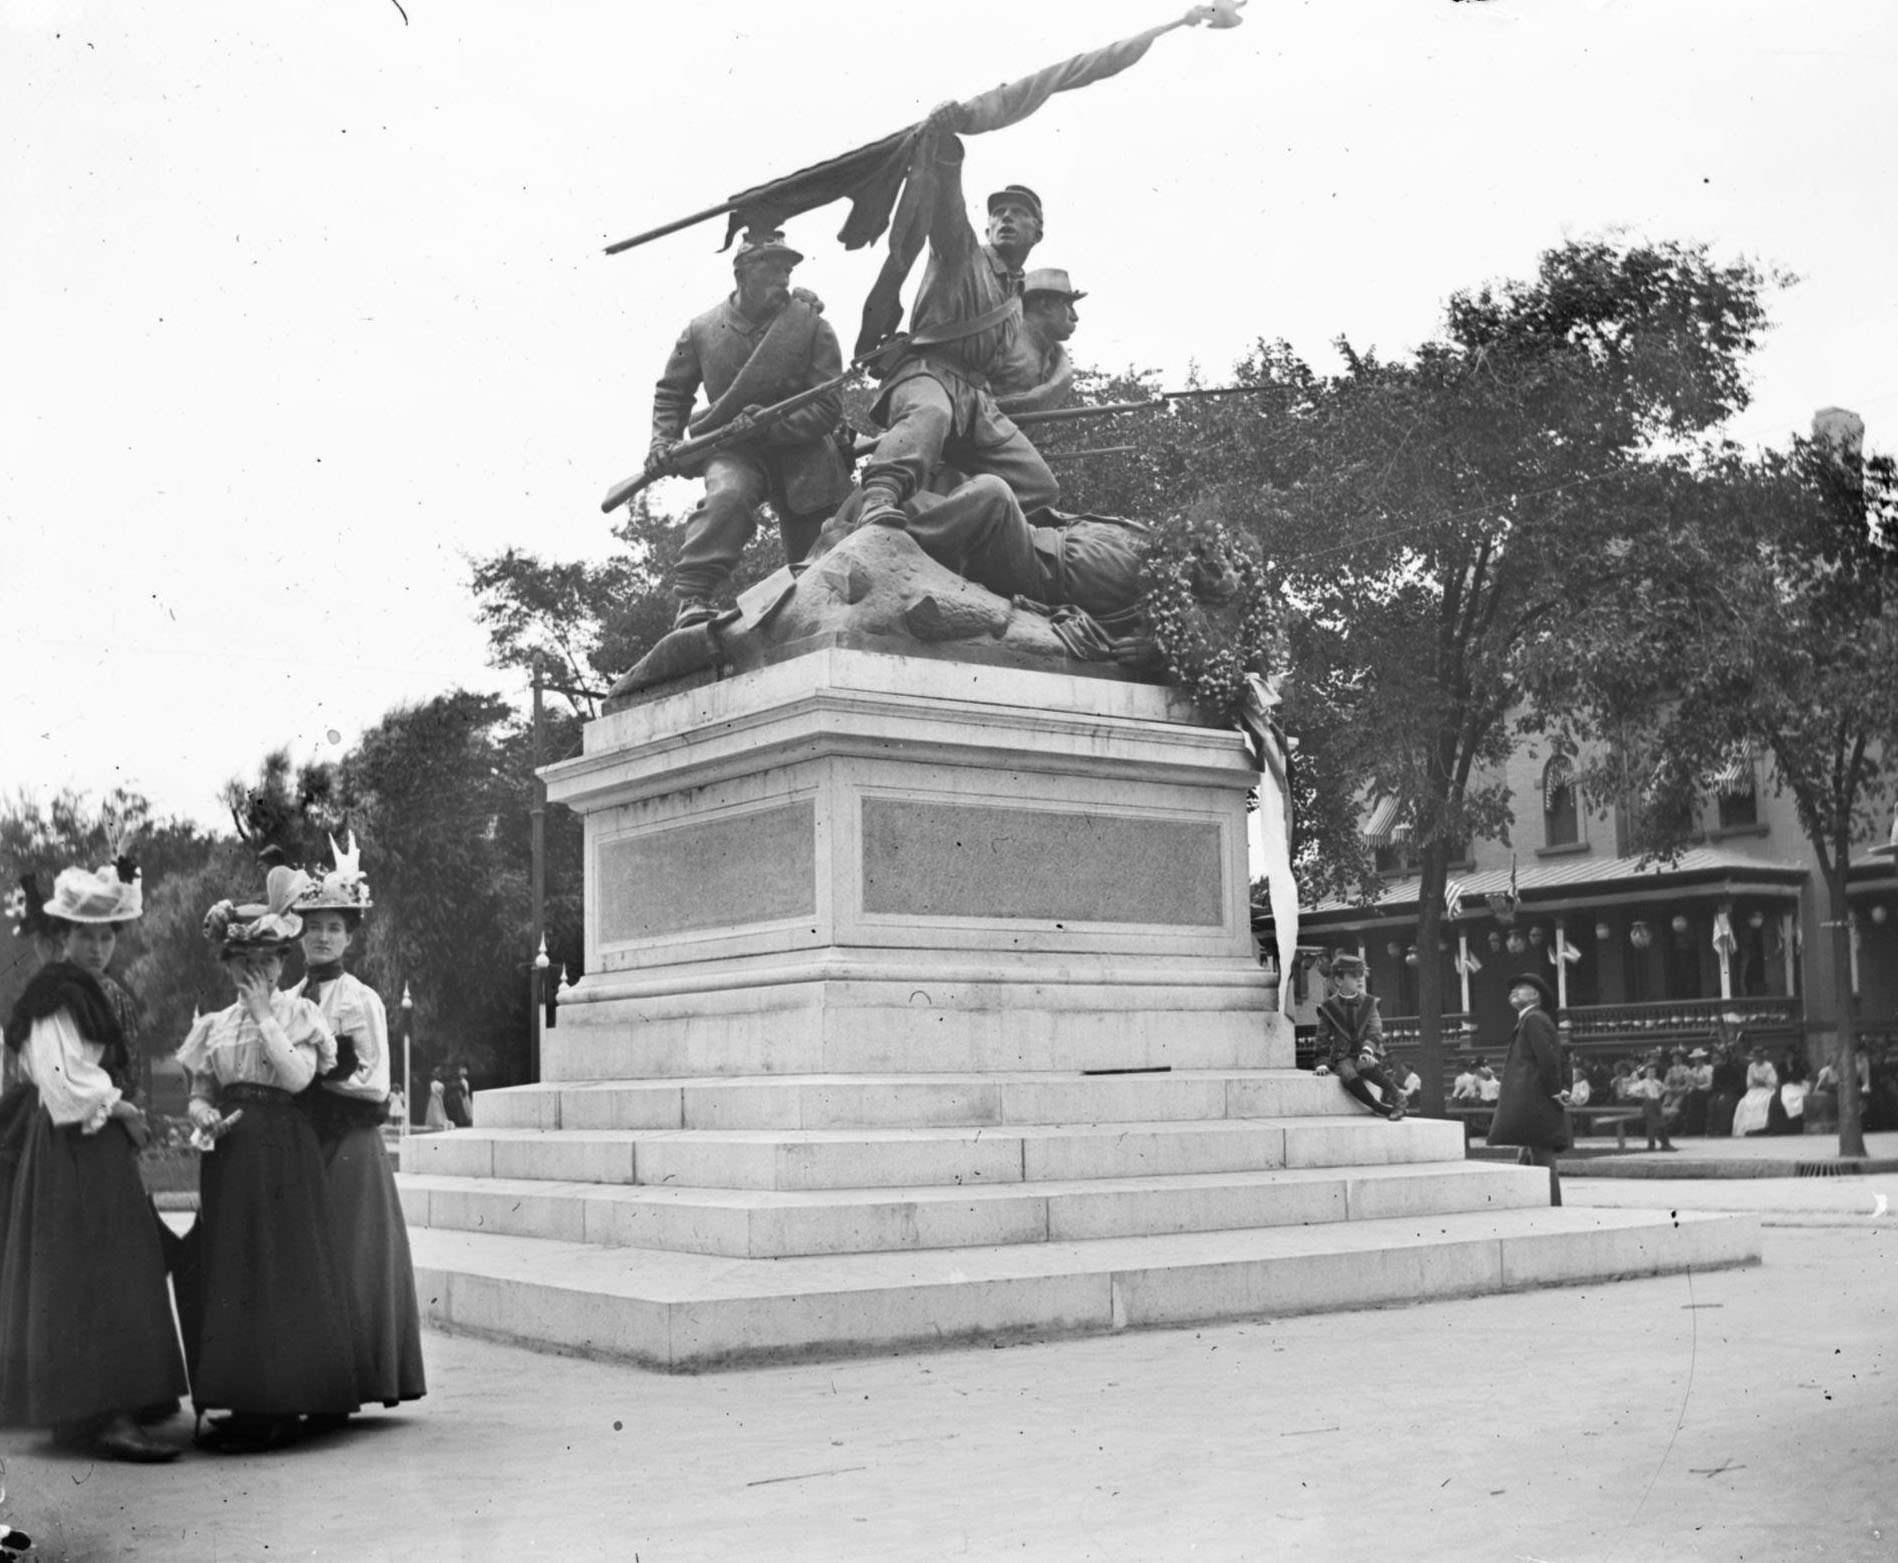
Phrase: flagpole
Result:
[1561,964]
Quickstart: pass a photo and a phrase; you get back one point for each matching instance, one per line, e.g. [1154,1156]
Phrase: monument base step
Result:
[770,1224]
[686,1312]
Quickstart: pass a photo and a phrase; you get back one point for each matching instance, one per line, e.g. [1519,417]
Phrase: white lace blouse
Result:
[228,1047]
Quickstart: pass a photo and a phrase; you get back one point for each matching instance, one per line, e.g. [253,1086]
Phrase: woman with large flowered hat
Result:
[349,1107]
[86,1334]
[273,1342]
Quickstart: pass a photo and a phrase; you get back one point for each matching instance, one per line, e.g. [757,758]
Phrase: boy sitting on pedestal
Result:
[1350,1037]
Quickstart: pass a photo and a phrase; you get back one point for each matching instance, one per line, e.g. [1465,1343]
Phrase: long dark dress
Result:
[85,1318]
[1527,1113]
[274,1336]
[371,1233]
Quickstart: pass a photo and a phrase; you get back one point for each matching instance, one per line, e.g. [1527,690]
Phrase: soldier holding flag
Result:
[938,403]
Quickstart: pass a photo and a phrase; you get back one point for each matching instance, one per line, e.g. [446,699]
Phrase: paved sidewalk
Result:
[1741,1414]
[1870,1201]
[1752,1156]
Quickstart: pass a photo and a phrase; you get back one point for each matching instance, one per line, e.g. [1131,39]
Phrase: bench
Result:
[1581,1119]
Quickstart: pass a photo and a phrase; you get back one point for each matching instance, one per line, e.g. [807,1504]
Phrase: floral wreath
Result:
[1189,567]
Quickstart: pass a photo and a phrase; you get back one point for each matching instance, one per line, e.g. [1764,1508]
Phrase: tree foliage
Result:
[157,960]
[1768,620]
[1438,518]
[438,794]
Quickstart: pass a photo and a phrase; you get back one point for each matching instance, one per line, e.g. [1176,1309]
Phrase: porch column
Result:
[1463,964]
[1561,964]
[1726,967]
[1851,925]
[1788,927]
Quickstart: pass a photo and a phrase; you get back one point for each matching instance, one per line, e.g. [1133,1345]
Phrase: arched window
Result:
[1561,818]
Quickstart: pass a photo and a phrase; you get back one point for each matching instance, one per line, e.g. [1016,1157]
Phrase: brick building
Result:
[1641,955]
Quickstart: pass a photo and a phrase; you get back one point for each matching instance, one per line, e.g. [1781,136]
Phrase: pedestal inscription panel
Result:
[961,860]
[758,866]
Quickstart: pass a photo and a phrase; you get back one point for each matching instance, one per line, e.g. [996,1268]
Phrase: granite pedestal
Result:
[853,861]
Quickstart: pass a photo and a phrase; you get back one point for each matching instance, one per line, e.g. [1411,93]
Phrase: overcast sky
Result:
[303,305]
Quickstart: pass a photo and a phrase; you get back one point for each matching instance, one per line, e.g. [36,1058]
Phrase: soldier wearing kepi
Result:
[938,403]
[1037,376]
[1351,1036]
[764,343]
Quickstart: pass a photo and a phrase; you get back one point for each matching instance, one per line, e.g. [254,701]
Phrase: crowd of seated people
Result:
[1730,1089]
[1724,1089]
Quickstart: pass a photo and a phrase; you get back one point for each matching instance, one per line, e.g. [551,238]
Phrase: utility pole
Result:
[537,814]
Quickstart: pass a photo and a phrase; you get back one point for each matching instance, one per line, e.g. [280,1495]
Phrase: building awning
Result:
[1382,829]
[1557,775]
[1735,778]
[1585,880]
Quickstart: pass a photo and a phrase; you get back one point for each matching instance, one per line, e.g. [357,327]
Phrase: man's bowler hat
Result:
[1528,979]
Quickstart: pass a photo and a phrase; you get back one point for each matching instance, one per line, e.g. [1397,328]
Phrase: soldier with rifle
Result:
[764,344]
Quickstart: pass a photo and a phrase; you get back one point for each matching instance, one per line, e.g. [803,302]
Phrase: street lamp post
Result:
[537,988]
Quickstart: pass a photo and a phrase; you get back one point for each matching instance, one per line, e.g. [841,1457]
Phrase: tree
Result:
[159,955]
[439,794]
[584,624]
[1772,622]
[1438,517]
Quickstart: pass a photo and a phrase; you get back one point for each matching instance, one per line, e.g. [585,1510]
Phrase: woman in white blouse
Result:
[348,1108]
[273,1341]
[86,1336]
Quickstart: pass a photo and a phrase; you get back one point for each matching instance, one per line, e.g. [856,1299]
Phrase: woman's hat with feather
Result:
[344,888]
[259,928]
[114,893]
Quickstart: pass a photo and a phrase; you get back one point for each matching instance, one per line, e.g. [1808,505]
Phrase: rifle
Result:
[1160,400]
[687,451]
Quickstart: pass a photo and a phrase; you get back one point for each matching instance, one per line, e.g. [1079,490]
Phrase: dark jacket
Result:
[1526,1110]
[806,471]
[1347,1026]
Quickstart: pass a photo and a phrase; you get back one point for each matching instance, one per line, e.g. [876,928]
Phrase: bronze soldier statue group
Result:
[951,466]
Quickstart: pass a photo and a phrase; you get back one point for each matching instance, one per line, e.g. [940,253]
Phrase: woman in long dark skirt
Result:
[86,1334]
[1531,1108]
[273,1344]
[349,1109]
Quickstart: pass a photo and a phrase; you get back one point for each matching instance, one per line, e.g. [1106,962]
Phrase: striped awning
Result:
[1382,829]
[1557,775]
[1735,778]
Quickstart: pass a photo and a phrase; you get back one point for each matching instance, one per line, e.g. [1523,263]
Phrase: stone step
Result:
[952,1155]
[762,1223]
[915,1100]
[690,1312]
[972,1025]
